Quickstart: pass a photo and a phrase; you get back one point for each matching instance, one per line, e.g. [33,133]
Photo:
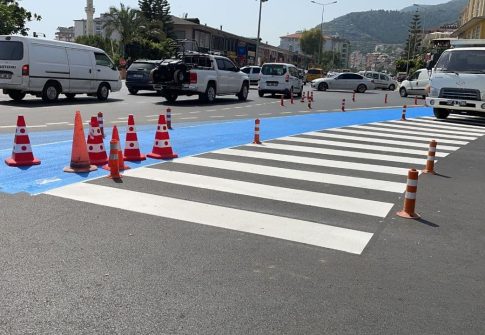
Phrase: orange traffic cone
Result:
[114,151]
[96,150]
[132,148]
[22,151]
[79,155]
[162,148]
[121,161]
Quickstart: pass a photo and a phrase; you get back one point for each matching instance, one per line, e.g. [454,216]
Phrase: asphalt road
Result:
[105,264]
[147,105]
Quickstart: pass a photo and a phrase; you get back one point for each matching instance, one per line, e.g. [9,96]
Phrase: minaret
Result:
[90,17]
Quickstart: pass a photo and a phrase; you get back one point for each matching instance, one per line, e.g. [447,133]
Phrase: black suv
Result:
[138,75]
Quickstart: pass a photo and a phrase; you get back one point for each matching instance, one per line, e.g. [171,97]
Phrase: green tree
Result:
[413,41]
[13,18]
[107,44]
[157,20]
[310,41]
[125,21]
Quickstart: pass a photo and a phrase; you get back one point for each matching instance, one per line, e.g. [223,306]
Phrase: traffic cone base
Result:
[12,162]
[80,169]
[405,215]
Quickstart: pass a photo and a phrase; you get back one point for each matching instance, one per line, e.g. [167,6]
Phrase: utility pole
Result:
[259,31]
[321,28]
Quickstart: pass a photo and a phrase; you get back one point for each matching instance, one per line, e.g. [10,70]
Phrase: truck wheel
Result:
[70,96]
[210,94]
[441,113]
[133,91]
[171,97]
[243,93]
[16,95]
[50,93]
[103,92]
[402,92]
[261,94]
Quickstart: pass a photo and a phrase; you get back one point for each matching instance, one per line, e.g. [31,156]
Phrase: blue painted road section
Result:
[53,148]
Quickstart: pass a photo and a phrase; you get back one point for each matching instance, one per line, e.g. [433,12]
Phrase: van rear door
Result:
[11,62]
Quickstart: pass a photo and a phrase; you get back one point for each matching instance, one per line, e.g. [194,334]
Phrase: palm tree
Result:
[125,21]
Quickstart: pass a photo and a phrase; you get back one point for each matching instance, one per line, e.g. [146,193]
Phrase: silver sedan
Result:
[344,81]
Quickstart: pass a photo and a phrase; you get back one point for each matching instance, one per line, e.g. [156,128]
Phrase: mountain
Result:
[370,28]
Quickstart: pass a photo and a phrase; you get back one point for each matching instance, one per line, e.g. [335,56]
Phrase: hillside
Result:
[367,29]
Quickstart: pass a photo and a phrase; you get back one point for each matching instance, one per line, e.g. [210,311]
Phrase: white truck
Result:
[457,83]
[204,75]
[48,68]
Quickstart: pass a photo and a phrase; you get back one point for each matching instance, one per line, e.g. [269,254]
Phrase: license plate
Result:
[5,76]
[137,76]
[456,102]
[272,84]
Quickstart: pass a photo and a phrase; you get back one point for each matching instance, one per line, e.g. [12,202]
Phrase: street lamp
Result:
[259,30]
[321,26]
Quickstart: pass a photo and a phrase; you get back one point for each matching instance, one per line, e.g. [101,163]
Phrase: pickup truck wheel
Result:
[243,93]
[261,94]
[16,95]
[133,91]
[441,113]
[103,92]
[402,92]
[210,94]
[171,97]
[70,96]
[50,93]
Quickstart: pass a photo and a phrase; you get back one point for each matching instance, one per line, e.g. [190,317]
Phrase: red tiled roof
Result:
[296,35]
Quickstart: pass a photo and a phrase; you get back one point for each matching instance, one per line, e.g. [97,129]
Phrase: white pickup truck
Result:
[200,74]
[457,82]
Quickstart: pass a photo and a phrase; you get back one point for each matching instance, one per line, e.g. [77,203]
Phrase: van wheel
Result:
[322,87]
[289,93]
[133,91]
[392,87]
[50,93]
[103,92]
[440,113]
[402,92]
[243,94]
[70,96]
[16,95]
[261,94]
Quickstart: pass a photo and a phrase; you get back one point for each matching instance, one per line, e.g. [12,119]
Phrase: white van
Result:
[416,84]
[280,78]
[48,68]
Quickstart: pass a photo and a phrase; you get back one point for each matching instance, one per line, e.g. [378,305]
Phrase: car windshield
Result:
[273,70]
[141,66]
[11,50]
[472,61]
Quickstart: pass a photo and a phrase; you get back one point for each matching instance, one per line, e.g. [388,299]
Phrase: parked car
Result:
[280,78]
[416,84]
[253,73]
[381,80]
[47,68]
[138,75]
[344,81]
[313,74]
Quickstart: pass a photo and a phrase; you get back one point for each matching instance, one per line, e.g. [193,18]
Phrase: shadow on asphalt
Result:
[61,102]
[428,223]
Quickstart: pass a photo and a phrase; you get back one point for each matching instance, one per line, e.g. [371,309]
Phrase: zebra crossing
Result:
[325,188]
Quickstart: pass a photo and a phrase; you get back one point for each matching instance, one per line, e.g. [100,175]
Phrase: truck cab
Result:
[457,83]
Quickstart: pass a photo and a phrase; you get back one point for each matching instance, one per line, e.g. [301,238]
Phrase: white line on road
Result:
[55,123]
[348,240]
[372,184]
[441,125]
[264,114]
[315,161]
[307,198]
[424,129]
[241,115]
[217,116]
[194,112]
[189,118]
[384,129]
[341,153]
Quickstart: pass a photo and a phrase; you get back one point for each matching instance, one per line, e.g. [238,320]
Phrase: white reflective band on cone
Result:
[432,149]
[411,195]
[161,144]
[132,145]
[412,182]
[18,131]
[96,148]
[18,148]
[431,158]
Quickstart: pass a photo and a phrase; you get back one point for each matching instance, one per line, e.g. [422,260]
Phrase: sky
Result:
[279,17]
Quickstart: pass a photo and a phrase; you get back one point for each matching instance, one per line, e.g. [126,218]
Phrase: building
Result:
[334,43]
[472,21]
[65,34]
[357,60]
[242,50]
[81,28]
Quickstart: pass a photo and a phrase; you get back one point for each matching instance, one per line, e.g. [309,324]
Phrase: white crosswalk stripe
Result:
[314,170]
